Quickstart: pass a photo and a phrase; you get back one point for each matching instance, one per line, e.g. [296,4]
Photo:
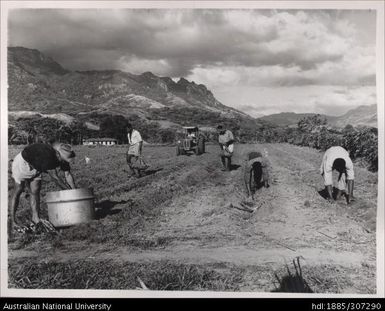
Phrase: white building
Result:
[100,141]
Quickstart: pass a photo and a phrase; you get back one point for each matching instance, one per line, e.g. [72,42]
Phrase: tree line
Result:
[37,129]
[314,132]
[311,131]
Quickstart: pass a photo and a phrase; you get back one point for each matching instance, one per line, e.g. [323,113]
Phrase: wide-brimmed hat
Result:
[65,151]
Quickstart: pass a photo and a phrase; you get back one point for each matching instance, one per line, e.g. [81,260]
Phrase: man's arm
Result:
[323,164]
[70,179]
[349,196]
[55,177]
[349,179]
[327,171]
[247,178]
[232,141]
[140,147]
[220,145]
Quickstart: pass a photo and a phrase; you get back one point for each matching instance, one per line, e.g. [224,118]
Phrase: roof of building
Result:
[101,139]
[190,127]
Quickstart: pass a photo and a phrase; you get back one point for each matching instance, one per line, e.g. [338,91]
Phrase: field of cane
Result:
[179,228]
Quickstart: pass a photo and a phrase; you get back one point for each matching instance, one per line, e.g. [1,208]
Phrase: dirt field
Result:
[176,230]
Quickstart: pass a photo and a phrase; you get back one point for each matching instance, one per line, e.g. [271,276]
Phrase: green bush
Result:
[363,143]
[313,132]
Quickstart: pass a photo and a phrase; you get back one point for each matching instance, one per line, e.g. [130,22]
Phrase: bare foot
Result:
[350,200]
[340,194]
[248,201]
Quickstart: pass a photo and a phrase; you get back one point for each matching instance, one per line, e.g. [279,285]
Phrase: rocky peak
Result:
[32,88]
[183,81]
[34,61]
[149,75]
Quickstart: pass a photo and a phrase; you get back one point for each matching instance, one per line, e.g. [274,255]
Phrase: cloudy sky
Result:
[258,61]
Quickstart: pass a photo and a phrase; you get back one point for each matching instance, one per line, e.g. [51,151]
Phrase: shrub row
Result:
[362,143]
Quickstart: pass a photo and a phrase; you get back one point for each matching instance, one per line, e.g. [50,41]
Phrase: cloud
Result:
[239,54]
[330,100]
[356,68]
[299,42]
[137,66]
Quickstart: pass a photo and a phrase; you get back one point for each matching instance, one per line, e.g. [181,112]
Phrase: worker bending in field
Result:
[134,152]
[337,158]
[226,143]
[27,168]
[256,172]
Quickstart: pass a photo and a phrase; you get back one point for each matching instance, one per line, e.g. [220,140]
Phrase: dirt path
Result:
[198,226]
[290,212]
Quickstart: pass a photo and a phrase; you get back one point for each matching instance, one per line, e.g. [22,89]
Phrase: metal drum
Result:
[70,207]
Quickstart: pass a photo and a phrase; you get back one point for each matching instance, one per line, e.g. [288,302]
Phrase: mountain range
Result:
[365,115]
[40,86]
[38,83]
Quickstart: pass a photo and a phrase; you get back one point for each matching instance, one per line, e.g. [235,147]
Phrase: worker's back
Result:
[253,155]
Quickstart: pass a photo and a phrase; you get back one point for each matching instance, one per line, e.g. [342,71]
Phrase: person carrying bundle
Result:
[256,172]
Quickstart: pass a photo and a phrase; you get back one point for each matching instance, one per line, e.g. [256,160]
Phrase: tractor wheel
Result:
[200,146]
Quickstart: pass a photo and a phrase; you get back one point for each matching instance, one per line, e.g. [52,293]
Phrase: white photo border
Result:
[7,6]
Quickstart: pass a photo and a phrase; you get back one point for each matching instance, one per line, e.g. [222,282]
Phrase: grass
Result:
[85,274]
[173,276]
[127,212]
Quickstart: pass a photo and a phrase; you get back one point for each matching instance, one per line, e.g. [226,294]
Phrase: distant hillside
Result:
[290,118]
[360,116]
[32,62]
[16,115]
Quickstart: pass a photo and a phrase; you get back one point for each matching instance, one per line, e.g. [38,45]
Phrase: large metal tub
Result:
[70,207]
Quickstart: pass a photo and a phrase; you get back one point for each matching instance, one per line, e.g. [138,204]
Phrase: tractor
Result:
[192,140]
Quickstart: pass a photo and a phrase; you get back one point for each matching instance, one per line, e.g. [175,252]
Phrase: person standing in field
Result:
[226,143]
[27,168]
[337,159]
[256,172]
[134,152]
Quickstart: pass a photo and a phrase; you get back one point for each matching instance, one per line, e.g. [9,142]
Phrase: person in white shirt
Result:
[226,143]
[337,158]
[134,152]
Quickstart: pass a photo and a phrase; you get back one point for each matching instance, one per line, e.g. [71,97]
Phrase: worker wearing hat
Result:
[27,168]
